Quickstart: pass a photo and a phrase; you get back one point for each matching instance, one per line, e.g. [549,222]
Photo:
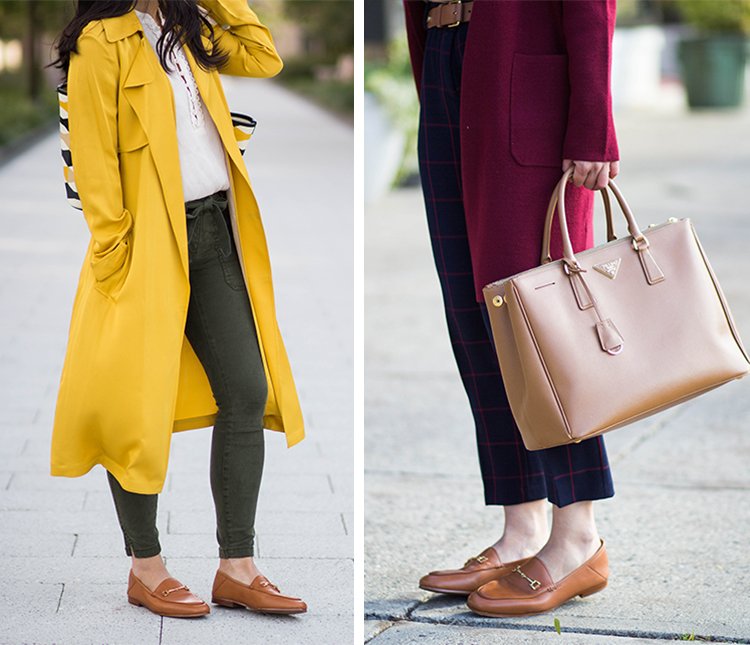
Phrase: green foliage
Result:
[334,95]
[627,10]
[50,16]
[558,629]
[717,15]
[25,103]
[327,24]
[301,67]
[392,84]
[18,113]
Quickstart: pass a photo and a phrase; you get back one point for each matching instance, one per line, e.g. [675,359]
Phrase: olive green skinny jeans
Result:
[221,330]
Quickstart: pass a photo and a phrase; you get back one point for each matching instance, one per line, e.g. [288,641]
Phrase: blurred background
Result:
[318,59]
[669,56]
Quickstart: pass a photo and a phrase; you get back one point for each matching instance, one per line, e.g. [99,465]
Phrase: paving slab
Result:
[406,633]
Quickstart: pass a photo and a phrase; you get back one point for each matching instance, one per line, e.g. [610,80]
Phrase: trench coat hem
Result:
[180,425]
[272,423]
[129,484]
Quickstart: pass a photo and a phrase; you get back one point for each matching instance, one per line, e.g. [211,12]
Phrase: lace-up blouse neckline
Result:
[179,65]
[203,163]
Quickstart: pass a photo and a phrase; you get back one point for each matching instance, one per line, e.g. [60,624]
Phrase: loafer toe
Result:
[170,598]
[260,595]
[477,571]
[529,589]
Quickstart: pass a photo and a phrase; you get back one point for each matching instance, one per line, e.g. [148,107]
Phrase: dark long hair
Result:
[183,23]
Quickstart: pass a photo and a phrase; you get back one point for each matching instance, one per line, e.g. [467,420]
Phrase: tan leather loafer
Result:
[477,571]
[259,595]
[170,599]
[529,590]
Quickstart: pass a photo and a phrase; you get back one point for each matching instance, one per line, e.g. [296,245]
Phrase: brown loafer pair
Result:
[170,599]
[259,595]
[477,571]
[529,590]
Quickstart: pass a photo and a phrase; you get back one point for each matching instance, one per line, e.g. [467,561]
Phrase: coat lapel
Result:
[149,92]
[212,96]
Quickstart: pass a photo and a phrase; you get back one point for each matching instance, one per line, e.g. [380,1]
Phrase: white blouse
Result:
[202,160]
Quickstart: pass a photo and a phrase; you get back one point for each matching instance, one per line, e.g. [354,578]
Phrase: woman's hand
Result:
[592,174]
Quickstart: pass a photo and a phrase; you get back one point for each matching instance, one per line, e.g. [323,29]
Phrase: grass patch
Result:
[337,96]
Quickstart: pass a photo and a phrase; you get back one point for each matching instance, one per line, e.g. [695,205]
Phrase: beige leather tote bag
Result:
[603,338]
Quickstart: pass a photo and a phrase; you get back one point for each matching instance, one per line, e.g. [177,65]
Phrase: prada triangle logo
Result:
[608,268]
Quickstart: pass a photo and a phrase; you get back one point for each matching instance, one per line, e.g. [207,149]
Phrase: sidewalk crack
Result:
[480,623]
[59,600]
[343,521]
[75,544]
[406,615]
[383,630]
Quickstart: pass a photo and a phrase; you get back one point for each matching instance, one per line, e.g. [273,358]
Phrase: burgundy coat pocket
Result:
[539,97]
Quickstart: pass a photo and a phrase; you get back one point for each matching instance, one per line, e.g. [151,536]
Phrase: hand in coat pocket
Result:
[111,267]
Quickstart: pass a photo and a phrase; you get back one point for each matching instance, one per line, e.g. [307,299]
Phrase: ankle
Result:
[150,571]
[510,548]
[241,569]
[526,531]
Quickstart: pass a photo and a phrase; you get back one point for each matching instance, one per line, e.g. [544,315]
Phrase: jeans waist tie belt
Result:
[213,205]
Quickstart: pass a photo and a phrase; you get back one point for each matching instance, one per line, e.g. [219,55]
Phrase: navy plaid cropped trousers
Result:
[511,473]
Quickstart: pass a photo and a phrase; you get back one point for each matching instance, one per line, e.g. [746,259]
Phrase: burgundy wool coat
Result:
[535,90]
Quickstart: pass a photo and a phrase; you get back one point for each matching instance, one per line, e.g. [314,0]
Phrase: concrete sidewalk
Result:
[677,529]
[63,571]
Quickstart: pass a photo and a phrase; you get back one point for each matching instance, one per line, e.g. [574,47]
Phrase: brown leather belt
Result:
[450,13]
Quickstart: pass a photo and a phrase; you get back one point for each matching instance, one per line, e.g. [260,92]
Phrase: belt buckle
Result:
[455,24]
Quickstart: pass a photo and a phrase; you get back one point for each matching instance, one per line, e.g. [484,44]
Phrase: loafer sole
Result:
[233,604]
[138,603]
[455,592]
[582,594]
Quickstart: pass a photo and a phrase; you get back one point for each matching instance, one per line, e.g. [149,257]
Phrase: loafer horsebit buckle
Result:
[534,584]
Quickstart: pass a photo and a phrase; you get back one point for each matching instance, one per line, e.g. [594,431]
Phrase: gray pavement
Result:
[677,529]
[63,570]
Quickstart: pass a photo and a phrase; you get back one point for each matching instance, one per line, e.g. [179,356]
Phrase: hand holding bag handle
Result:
[611,237]
[651,269]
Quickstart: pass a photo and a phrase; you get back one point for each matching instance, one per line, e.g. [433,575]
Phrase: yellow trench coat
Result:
[130,377]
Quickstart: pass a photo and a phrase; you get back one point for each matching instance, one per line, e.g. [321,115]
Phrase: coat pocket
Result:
[111,268]
[540,94]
